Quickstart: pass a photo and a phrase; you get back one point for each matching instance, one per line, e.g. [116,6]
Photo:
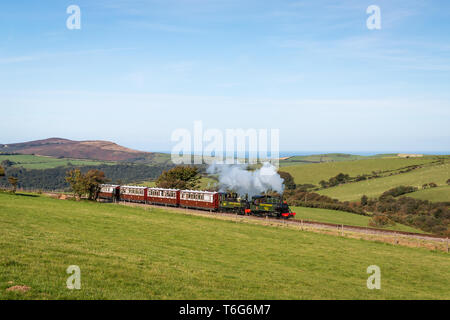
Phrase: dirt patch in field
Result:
[19,288]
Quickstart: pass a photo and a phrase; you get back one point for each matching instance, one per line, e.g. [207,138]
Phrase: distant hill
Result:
[93,150]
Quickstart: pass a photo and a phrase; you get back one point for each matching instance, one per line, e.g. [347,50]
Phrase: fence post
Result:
[447,245]
[302,224]
[342,229]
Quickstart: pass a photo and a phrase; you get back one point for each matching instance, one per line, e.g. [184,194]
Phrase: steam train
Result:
[262,205]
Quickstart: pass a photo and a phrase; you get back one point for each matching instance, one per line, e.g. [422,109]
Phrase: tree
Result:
[86,184]
[74,178]
[13,181]
[323,183]
[288,180]
[181,177]
[2,172]
[364,200]
[92,180]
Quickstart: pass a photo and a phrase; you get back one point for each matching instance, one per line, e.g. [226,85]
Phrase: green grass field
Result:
[134,253]
[375,187]
[149,183]
[341,217]
[40,162]
[329,157]
[313,173]
[439,194]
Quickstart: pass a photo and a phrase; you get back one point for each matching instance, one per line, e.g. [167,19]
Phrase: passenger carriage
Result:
[163,196]
[199,199]
[133,194]
[109,192]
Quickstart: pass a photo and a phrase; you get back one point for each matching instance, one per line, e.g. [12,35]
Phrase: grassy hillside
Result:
[341,217]
[375,187]
[313,173]
[92,149]
[439,194]
[41,162]
[133,253]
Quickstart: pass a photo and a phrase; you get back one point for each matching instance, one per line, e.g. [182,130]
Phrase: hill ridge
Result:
[85,149]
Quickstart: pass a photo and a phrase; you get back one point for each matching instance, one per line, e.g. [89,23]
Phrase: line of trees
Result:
[302,198]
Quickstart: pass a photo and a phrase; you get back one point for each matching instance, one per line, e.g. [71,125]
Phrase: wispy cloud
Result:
[18,59]
[161,26]
[41,56]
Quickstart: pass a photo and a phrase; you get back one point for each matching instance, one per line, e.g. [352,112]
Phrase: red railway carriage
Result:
[199,199]
[162,196]
[133,194]
[109,192]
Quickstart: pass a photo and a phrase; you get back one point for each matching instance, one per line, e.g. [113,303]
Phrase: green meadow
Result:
[41,162]
[295,160]
[136,253]
[313,173]
[441,193]
[341,217]
[438,174]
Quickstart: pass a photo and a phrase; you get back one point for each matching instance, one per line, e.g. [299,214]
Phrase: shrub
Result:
[381,221]
[398,191]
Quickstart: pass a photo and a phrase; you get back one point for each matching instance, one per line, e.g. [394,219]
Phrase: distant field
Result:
[133,253]
[375,187]
[207,182]
[439,194]
[295,160]
[149,184]
[341,217]
[313,173]
[40,162]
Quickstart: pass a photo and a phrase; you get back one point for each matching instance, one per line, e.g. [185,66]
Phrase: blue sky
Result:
[137,70]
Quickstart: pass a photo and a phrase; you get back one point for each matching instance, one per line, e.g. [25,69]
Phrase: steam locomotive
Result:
[262,205]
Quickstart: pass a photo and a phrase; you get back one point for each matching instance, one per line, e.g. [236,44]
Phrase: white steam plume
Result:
[242,181]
